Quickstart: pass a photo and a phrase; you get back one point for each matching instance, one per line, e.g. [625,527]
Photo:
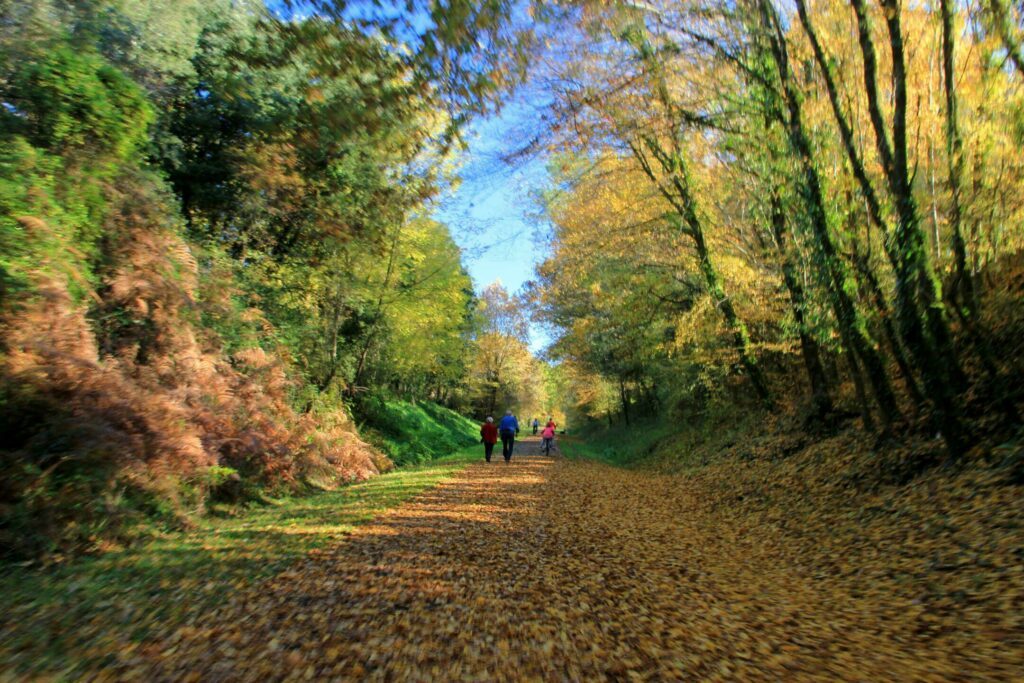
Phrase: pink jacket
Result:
[548,433]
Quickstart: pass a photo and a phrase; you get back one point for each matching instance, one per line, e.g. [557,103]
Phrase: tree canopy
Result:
[216,243]
[745,186]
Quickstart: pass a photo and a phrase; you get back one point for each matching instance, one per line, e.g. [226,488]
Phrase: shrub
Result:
[72,100]
[122,405]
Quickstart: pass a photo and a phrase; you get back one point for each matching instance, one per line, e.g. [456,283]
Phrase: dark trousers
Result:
[488,449]
[508,440]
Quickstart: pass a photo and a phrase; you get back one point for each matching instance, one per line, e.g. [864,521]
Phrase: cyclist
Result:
[548,436]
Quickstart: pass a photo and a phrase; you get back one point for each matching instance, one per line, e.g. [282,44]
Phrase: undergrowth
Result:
[663,442]
[411,433]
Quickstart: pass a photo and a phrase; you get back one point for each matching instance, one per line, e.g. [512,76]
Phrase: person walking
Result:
[536,423]
[551,423]
[489,437]
[509,427]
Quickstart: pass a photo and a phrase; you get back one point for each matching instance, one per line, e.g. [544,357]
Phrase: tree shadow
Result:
[90,613]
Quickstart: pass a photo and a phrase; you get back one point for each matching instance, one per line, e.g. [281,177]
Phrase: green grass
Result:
[61,619]
[663,445]
[415,432]
[619,446]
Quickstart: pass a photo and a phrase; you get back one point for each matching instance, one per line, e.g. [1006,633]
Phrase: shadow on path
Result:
[546,569]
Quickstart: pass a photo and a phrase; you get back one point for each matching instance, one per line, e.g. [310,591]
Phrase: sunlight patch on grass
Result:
[59,619]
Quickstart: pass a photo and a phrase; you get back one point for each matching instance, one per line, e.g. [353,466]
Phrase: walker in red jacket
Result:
[489,437]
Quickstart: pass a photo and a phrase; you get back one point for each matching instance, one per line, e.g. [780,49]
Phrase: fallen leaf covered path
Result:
[547,569]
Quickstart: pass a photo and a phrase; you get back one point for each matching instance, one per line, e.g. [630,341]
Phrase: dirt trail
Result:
[546,569]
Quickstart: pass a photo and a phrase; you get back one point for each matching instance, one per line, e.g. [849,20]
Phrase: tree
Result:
[1008,31]
[835,272]
[602,114]
[504,373]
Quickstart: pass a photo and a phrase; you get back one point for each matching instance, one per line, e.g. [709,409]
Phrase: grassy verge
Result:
[415,432]
[61,619]
[662,445]
[619,446]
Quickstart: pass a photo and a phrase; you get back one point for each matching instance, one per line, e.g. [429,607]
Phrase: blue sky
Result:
[493,213]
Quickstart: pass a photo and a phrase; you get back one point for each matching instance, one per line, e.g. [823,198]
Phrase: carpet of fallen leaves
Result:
[550,569]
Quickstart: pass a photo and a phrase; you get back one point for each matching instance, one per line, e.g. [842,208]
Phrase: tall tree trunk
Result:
[624,396]
[845,129]
[357,376]
[933,194]
[963,284]
[494,399]
[874,207]
[874,293]
[674,165]
[916,284]
[821,402]
[740,336]
[871,290]
[682,200]
[858,386]
[831,364]
[332,369]
[836,275]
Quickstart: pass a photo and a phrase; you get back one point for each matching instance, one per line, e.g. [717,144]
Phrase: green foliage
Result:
[27,189]
[217,475]
[282,149]
[669,443]
[427,313]
[820,228]
[72,102]
[619,445]
[504,373]
[211,239]
[412,433]
[74,121]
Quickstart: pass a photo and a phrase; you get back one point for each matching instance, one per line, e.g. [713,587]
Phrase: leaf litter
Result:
[550,569]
